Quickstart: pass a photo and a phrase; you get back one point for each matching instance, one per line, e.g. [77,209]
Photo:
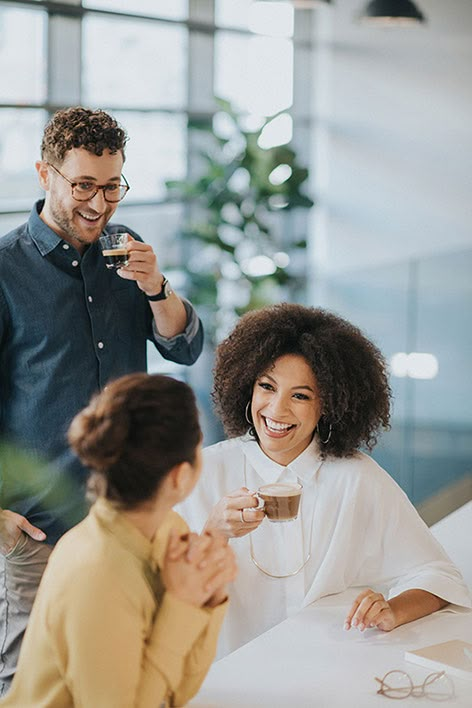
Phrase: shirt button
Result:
[75,263]
[65,246]
[100,345]
[90,298]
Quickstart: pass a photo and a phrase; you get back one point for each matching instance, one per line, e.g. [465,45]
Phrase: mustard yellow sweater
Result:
[103,633]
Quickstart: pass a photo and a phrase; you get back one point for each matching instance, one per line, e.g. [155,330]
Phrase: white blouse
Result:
[361,528]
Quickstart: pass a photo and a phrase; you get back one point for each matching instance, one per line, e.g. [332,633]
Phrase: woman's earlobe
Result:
[180,478]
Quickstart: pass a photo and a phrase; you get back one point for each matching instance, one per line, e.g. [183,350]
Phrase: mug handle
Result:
[261,503]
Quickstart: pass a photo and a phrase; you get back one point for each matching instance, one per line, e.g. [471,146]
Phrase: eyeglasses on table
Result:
[398,684]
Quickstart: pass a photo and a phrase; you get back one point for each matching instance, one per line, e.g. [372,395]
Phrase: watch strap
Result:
[163,294]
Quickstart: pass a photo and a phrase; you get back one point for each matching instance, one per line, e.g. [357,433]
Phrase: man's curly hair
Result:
[349,369]
[79,127]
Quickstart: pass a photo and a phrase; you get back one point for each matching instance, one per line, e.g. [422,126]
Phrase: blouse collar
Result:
[304,467]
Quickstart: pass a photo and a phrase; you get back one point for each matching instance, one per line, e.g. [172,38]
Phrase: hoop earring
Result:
[324,442]
[247,411]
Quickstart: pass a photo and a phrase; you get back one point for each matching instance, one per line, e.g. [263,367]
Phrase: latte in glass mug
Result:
[281,500]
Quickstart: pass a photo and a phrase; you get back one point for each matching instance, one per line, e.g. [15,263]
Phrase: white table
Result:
[310,661]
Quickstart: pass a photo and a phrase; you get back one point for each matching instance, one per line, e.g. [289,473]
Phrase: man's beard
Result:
[66,225]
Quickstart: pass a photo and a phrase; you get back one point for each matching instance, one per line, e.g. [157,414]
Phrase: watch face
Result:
[167,289]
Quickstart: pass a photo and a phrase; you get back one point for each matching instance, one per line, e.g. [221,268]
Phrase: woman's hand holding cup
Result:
[236,514]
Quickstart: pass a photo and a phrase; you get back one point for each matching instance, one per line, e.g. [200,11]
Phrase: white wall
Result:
[391,235]
[393,158]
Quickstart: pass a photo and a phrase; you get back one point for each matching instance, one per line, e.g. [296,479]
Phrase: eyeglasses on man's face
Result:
[398,684]
[83,191]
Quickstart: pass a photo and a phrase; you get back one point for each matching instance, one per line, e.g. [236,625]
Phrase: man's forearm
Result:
[170,316]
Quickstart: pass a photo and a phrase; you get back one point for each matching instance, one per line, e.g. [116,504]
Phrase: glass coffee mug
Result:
[280,501]
[278,546]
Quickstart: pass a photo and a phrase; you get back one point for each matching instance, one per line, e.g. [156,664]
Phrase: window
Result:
[133,63]
[261,81]
[154,64]
[20,138]
[22,55]
[174,9]
[156,152]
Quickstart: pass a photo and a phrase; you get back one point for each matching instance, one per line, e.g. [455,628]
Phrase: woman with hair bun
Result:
[300,391]
[129,608]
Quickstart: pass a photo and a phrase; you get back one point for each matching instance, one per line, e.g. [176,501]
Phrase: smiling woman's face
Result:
[286,408]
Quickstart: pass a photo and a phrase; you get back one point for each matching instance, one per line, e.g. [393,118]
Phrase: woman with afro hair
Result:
[300,391]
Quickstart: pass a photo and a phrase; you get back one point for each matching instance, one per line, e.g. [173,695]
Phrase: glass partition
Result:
[419,312]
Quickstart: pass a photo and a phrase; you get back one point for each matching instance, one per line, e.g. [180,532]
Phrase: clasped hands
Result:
[197,568]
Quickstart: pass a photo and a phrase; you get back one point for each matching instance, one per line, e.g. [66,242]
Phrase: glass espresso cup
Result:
[114,250]
[280,501]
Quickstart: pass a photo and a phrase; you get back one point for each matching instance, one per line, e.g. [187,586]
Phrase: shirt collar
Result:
[304,467]
[44,237]
[128,535]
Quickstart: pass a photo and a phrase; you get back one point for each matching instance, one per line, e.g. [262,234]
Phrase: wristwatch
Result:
[166,290]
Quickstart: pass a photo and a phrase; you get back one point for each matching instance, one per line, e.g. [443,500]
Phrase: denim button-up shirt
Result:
[68,325]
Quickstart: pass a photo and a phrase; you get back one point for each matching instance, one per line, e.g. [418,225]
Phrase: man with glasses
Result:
[68,325]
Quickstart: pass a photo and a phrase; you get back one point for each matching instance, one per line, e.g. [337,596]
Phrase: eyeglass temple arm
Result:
[384,686]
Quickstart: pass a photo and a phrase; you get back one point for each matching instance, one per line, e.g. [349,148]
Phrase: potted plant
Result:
[239,252]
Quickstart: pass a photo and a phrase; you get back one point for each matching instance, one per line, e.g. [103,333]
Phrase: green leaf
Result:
[213,190]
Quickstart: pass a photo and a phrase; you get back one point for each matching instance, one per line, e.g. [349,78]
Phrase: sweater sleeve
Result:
[180,650]
[186,671]
[198,661]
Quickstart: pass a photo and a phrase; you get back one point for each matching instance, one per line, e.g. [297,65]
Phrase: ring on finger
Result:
[241,515]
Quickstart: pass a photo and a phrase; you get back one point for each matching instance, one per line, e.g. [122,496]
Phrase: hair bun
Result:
[98,436]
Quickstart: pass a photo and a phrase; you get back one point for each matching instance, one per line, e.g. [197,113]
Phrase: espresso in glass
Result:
[281,500]
[115,257]
[114,250]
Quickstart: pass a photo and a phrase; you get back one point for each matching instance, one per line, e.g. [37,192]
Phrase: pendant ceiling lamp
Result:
[392,12]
